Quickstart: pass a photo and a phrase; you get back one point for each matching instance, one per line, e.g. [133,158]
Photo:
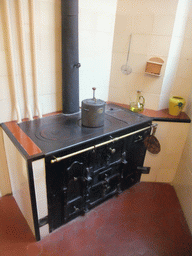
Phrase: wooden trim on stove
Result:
[27,147]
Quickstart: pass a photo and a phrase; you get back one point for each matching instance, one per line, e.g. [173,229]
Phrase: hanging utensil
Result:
[126,69]
[151,142]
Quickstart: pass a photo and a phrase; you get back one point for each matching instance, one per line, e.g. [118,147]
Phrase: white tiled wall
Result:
[182,83]
[19,180]
[183,179]
[96,26]
[172,137]
[151,24]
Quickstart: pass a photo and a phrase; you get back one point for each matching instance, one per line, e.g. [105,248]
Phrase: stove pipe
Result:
[70,56]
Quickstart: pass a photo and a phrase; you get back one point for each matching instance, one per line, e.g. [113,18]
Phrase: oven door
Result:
[66,189]
[74,190]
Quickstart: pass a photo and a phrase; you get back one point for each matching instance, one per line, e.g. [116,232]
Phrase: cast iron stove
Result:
[57,132]
[85,166]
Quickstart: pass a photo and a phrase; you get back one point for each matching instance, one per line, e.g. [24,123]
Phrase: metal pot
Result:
[93,111]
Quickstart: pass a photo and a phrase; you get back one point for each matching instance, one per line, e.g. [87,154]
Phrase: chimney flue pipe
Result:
[70,57]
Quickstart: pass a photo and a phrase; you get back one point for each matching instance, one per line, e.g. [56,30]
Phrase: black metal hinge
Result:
[144,170]
[43,221]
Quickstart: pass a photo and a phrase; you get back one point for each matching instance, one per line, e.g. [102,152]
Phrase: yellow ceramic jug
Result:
[176,105]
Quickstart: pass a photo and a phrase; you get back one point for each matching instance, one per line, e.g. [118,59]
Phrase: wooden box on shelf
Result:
[153,66]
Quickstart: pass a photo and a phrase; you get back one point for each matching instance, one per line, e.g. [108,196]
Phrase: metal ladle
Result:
[126,69]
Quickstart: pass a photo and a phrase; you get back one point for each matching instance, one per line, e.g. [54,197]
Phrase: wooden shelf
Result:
[160,115]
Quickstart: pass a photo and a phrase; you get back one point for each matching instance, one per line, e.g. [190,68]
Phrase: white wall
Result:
[170,81]
[183,179]
[96,25]
[151,23]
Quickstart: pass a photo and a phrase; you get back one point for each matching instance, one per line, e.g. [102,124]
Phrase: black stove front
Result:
[85,166]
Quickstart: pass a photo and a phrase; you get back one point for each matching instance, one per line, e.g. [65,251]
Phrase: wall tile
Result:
[123,25]
[152,84]
[140,44]
[105,22]
[107,6]
[182,184]
[137,62]
[124,8]
[175,47]
[187,153]
[185,68]
[173,129]
[119,96]
[181,87]
[154,161]
[103,42]
[162,7]
[188,33]
[121,44]
[163,24]
[186,51]
[143,23]
[165,175]
[50,103]
[46,62]
[135,81]
[87,44]
[87,20]
[159,45]
[151,100]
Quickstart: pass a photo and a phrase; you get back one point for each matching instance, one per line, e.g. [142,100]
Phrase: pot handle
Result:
[85,109]
[142,101]
[94,88]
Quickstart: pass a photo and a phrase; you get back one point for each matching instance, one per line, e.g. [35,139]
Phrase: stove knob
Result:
[112,150]
[87,179]
[139,138]
[75,178]
[76,209]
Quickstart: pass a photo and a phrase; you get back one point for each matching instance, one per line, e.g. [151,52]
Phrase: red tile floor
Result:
[145,220]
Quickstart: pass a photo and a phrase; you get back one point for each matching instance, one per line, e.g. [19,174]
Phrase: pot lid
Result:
[93,102]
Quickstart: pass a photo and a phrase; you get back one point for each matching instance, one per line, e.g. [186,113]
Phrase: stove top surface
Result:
[61,131]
